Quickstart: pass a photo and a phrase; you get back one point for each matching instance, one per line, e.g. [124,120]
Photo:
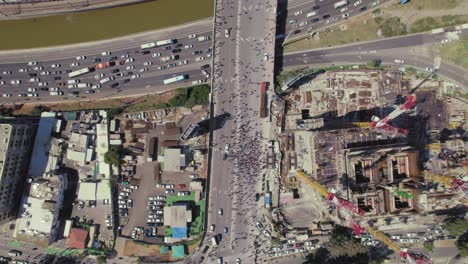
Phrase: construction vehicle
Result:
[397,192]
[348,208]
[382,124]
[103,65]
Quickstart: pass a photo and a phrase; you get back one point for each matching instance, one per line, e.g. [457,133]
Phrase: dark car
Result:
[146,52]
[121,62]
[114,85]
[297,31]
[176,50]
[113,58]
[168,48]
[120,74]
[205,249]
[44,89]
[96,60]
[206,66]
[326,16]
[57,72]
[32,74]
[178,45]
[364,8]
[129,73]
[115,70]
[75,93]
[126,80]
[197,52]
[171,65]
[315,7]
[56,78]
[68,71]
[314,20]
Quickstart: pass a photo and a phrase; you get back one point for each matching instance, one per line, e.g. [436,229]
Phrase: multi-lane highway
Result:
[27,89]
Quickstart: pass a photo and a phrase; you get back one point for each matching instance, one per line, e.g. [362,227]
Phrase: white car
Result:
[183,193]
[38,68]
[54,89]
[105,53]
[45,73]
[96,86]
[23,70]
[188,46]
[344,9]
[125,56]
[170,186]
[220,211]
[6,95]
[162,67]
[34,80]
[130,67]
[143,70]
[183,62]
[160,185]
[129,60]
[192,36]
[197,81]
[169,191]
[32,63]
[345,15]
[429,69]
[147,63]
[357,2]
[135,76]
[199,58]
[154,55]
[303,23]
[74,64]
[298,13]
[81,58]
[160,198]
[33,94]
[193,176]
[55,65]
[42,84]
[6,72]
[15,82]
[212,228]
[2,82]
[32,89]
[445,41]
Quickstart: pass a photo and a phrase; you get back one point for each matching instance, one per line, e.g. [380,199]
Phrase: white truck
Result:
[214,241]
[311,14]
[84,85]
[203,38]
[105,80]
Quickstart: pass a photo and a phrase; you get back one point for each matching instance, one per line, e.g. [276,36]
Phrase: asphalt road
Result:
[150,81]
[301,20]
[387,50]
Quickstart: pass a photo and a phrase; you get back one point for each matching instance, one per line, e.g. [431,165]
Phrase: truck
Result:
[168,58]
[341,3]
[78,72]
[267,200]
[311,14]
[103,65]
[203,38]
[263,99]
[214,241]
[84,85]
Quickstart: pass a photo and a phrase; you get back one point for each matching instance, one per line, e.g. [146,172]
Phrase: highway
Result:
[148,82]
[237,73]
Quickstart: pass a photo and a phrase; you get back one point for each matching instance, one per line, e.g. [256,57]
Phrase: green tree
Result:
[462,244]
[455,226]
[101,260]
[373,63]
[111,113]
[343,244]
[112,156]
[5,112]
[429,245]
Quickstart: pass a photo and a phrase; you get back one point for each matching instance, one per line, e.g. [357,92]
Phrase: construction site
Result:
[373,151]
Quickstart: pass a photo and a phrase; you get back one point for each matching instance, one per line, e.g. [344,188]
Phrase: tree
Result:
[38,109]
[455,226]
[4,112]
[111,113]
[429,245]
[393,27]
[373,63]
[101,260]
[462,244]
[112,156]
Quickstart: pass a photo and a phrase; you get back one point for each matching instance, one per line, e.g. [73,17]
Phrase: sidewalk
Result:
[29,10]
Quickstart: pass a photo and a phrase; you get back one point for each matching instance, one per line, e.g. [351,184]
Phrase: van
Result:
[73,81]
[399,61]
[105,80]
[56,93]
[214,241]
[311,14]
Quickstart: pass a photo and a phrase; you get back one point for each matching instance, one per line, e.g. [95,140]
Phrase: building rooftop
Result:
[173,159]
[177,215]
[77,238]
[42,145]
[94,191]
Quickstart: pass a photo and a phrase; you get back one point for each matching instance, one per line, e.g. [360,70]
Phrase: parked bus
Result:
[175,79]
[341,4]
[78,72]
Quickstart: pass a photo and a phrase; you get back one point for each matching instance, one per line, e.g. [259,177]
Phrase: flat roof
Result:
[42,145]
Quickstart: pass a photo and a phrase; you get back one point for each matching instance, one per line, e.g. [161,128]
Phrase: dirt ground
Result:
[131,248]
[143,102]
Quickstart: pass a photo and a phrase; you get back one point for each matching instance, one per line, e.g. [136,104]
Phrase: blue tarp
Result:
[179,232]
[403,1]
[178,251]
[267,200]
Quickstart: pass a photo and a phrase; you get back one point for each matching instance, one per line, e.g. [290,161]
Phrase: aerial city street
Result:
[234,131]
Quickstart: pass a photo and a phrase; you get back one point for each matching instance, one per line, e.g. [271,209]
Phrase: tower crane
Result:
[348,209]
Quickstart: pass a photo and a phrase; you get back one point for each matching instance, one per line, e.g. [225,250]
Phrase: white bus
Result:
[165,42]
[175,79]
[78,72]
[148,45]
[341,4]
